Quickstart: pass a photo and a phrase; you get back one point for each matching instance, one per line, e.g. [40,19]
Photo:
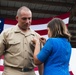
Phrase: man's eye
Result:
[26,18]
[23,18]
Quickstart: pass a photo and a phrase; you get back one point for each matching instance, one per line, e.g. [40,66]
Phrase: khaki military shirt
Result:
[17,47]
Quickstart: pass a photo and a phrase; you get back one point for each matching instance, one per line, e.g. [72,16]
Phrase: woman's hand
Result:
[43,40]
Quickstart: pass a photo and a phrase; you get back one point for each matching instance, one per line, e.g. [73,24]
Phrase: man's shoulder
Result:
[9,30]
[34,32]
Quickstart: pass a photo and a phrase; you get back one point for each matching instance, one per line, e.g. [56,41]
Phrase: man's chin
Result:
[24,29]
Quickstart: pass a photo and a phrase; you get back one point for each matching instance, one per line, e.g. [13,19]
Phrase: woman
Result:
[56,51]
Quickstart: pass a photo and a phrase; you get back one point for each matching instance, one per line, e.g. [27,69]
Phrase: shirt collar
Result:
[18,30]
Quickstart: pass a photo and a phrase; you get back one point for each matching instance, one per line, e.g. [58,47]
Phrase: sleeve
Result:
[45,51]
[2,43]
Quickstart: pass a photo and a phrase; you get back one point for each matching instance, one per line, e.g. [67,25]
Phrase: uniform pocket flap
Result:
[14,42]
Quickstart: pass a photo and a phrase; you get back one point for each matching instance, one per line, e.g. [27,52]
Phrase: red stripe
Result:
[64,16]
[42,32]
[71,73]
[2,57]
[36,69]
[46,20]
[40,21]
[1,68]
[9,21]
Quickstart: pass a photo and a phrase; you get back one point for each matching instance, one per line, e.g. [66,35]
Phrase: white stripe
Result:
[66,21]
[7,26]
[45,36]
[1,72]
[34,27]
[39,27]
[36,72]
[73,61]
[1,61]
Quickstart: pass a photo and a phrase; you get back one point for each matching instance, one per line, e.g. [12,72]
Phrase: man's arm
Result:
[2,44]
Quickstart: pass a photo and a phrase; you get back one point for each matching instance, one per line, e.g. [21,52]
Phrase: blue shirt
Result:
[56,56]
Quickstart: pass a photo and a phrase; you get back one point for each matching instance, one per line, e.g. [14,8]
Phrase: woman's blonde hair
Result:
[58,28]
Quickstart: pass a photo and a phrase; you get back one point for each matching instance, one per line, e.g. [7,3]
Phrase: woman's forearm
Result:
[36,51]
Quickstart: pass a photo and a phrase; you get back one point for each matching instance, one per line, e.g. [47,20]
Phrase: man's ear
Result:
[17,18]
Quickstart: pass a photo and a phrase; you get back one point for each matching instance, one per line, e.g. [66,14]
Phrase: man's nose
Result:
[27,20]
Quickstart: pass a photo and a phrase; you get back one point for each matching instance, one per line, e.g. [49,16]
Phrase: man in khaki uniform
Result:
[15,44]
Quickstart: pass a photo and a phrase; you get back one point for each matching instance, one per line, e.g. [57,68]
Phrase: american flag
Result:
[1,24]
[39,26]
